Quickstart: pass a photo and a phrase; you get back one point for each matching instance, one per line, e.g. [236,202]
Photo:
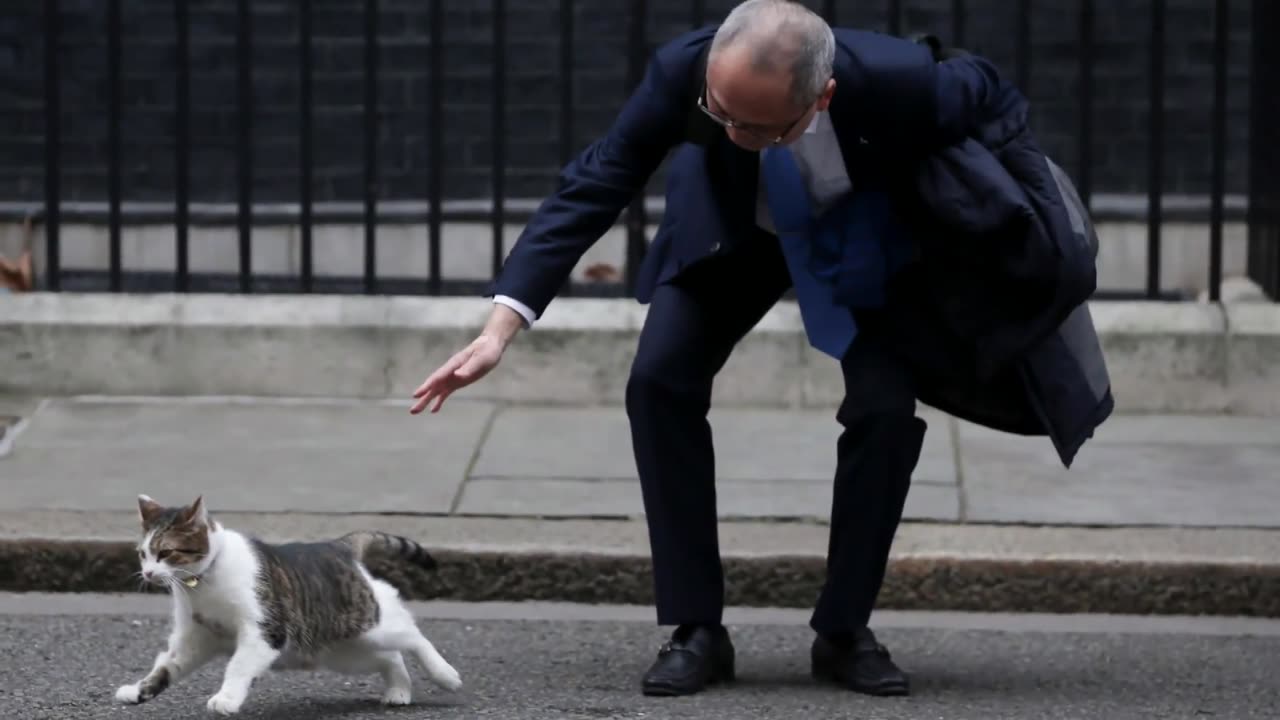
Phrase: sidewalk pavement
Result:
[1161,514]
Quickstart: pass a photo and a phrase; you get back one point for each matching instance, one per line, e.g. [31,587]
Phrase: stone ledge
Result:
[1164,357]
[1253,358]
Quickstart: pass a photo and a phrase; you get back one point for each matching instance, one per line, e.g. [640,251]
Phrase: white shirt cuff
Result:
[528,314]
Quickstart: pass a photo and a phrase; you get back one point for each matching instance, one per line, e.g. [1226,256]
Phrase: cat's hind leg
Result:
[365,656]
[397,630]
[189,649]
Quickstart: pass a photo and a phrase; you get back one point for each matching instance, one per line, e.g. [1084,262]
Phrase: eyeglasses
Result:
[727,123]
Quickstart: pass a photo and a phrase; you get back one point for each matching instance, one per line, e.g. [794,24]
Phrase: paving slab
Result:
[253,456]
[311,455]
[751,444]
[621,499]
[1176,471]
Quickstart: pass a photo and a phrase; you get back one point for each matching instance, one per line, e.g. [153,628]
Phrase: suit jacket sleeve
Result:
[917,106]
[965,93]
[599,183]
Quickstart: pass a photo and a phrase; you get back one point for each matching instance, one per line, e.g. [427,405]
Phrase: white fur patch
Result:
[128,694]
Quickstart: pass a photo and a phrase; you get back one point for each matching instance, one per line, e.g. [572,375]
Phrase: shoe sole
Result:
[885,690]
[720,678]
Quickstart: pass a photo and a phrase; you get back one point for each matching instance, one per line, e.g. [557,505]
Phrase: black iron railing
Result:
[1264,175]
[500,212]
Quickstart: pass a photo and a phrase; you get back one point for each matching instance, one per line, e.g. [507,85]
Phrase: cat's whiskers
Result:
[142,582]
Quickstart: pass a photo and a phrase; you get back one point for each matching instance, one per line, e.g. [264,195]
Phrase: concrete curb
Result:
[913,582]
[1163,357]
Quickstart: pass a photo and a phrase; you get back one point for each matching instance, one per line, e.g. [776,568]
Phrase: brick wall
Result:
[532,119]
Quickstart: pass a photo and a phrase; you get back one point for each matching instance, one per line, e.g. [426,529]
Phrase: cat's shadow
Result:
[333,708]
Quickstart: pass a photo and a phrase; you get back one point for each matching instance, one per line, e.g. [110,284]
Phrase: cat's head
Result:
[175,541]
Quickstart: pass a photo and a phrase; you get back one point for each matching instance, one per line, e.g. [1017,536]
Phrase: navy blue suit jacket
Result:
[1006,271]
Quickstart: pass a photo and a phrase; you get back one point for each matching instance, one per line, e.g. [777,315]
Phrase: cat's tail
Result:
[361,542]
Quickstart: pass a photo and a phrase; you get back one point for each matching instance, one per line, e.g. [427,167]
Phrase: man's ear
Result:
[148,510]
[824,100]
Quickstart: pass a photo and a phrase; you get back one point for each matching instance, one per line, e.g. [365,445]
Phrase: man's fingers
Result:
[434,390]
[438,394]
[461,369]
[428,386]
[444,371]
[439,402]
[434,379]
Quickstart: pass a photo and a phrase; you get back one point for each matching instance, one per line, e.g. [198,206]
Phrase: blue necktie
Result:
[811,248]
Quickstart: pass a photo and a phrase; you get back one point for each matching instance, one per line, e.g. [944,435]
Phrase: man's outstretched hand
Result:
[465,367]
[471,363]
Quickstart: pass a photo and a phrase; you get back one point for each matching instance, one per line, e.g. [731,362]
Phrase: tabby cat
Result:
[296,606]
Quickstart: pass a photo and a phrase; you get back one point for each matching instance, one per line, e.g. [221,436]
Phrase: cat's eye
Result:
[169,552]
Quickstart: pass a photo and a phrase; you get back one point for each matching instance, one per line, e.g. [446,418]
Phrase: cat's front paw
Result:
[224,704]
[446,677]
[397,696]
[129,694]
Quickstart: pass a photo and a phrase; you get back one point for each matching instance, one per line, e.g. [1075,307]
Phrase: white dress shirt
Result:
[817,153]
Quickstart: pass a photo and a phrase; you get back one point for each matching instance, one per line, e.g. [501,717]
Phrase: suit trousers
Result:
[693,324]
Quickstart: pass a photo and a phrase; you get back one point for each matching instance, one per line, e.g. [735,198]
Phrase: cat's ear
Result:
[148,510]
[195,514]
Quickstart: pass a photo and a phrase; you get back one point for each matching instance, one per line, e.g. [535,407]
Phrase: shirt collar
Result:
[818,121]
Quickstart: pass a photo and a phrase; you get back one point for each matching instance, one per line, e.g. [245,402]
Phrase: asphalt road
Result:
[62,657]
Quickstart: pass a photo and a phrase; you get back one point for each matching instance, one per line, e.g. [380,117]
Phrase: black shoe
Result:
[695,657]
[859,663]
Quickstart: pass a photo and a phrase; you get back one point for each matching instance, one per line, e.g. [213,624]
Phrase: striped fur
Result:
[267,606]
[362,542]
